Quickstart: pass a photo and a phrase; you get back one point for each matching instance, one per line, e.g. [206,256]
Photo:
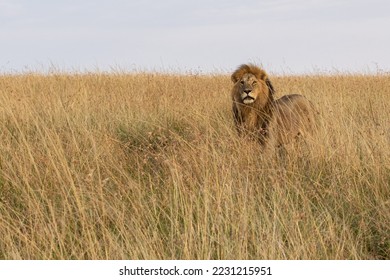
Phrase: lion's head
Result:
[251,85]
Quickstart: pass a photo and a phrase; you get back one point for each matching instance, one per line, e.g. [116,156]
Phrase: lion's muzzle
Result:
[247,97]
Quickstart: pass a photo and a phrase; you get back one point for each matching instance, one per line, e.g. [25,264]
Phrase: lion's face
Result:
[249,88]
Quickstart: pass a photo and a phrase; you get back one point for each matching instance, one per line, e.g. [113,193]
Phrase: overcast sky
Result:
[204,35]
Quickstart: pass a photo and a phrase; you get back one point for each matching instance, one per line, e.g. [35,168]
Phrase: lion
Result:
[258,115]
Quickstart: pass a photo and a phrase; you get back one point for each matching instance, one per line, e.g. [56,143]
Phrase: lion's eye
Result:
[242,82]
[254,83]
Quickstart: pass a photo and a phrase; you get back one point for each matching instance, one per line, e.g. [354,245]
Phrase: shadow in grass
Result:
[149,144]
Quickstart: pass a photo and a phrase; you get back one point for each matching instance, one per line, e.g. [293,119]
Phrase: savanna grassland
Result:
[149,166]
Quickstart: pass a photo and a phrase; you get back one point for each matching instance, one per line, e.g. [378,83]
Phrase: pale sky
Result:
[203,36]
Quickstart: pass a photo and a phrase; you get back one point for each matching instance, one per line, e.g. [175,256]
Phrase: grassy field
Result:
[149,166]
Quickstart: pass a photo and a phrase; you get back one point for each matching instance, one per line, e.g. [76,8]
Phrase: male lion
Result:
[258,115]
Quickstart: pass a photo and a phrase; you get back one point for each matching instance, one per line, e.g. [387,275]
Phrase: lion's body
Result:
[293,116]
[258,115]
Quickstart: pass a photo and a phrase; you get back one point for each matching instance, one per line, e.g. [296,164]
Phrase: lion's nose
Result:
[247,91]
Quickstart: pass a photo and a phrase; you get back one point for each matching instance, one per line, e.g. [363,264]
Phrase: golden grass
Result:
[149,166]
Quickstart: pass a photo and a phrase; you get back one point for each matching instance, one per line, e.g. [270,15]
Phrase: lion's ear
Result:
[270,86]
[237,75]
[234,78]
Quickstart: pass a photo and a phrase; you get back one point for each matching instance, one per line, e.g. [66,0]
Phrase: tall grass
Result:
[149,166]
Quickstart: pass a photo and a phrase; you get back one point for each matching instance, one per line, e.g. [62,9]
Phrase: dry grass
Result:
[149,166]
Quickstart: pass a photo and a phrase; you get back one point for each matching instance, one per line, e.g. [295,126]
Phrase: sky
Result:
[206,36]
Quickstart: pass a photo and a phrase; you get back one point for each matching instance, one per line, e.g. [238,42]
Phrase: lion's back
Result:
[294,115]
